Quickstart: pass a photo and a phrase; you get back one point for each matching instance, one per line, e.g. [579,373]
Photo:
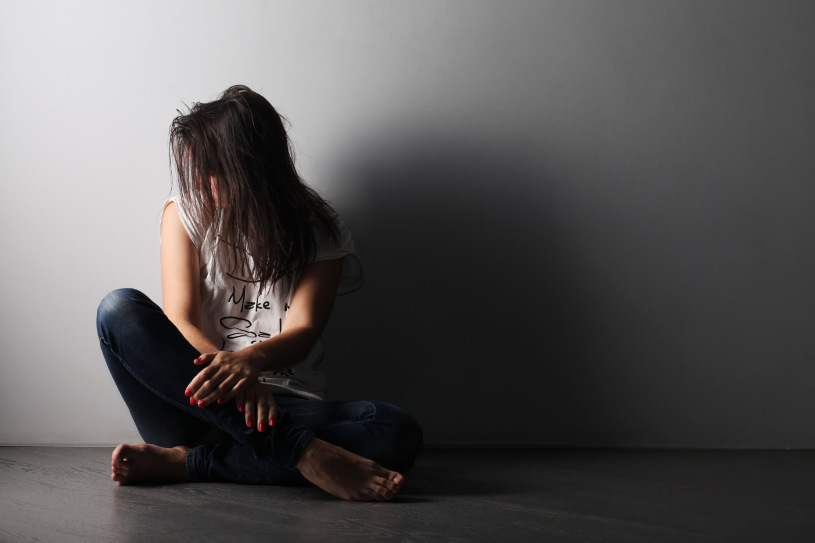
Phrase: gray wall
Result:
[584,222]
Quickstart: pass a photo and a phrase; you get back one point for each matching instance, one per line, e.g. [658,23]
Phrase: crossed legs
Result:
[352,450]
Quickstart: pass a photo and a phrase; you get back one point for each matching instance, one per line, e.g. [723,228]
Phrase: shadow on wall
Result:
[472,313]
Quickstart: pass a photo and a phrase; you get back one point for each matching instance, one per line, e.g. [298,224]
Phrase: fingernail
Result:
[188,392]
[262,427]
[271,422]
[192,401]
[202,403]
[197,359]
[250,423]
[221,400]
[240,408]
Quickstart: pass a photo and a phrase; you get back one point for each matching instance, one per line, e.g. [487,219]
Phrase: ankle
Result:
[309,453]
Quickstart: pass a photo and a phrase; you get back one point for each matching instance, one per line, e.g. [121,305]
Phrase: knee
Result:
[406,438]
[411,438]
[114,306]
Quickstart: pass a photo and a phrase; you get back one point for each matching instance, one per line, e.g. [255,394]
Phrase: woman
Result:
[223,383]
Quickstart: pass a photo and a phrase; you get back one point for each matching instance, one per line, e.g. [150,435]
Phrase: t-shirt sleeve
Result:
[189,225]
[328,248]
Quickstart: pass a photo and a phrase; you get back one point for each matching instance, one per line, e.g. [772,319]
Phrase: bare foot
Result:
[143,462]
[345,475]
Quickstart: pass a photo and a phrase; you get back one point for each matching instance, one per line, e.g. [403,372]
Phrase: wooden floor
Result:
[505,495]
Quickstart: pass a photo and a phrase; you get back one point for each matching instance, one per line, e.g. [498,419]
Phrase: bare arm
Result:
[230,375]
[310,307]
[227,373]
[180,285]
[180,278]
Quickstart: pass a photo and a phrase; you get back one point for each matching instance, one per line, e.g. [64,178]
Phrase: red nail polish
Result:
[271,422]
[188,392]
[202,403]
[240,408]
[262,427]
[192,401]
[197,359]
[250,423]
[221,400]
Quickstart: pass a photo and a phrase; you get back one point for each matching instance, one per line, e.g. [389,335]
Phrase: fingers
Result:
[258,406]
[204,389]
[223,375]
[193,389]
[204,359]
[221,385]
[263,414]
[274,414]
[268,411]
[255,401]
[249,406]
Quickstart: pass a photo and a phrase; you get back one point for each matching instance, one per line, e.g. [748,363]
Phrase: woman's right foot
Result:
[346,475]
[143,462]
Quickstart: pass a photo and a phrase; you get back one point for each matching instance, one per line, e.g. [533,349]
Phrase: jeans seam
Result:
[297,450]
[294,455]
[145,384]
[190,461]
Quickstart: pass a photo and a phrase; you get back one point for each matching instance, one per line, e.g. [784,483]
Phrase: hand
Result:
[225,375]
[257,404]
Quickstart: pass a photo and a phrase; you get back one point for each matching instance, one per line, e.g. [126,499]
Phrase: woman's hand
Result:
[257,404]
[226,374]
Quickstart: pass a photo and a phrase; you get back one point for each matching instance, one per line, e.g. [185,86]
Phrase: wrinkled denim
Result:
[151,364]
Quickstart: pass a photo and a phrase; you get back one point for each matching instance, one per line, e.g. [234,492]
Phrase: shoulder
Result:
[170,211]
[330,244]
[175,218]
[170,220]
[330,248]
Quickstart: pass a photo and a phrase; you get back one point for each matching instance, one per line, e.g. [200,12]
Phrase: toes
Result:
[118,452]
[386,484]
[392,477]
[383,489]
[120,466]
[384,494]
[121,473]
[375,493]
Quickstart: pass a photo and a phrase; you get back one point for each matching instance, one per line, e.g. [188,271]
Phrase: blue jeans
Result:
[151,364]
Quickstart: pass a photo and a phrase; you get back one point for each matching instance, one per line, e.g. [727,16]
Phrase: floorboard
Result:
[456,495]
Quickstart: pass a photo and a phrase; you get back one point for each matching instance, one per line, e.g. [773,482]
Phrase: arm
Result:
[310,307]
[227,374]
[182,305]
[180,278]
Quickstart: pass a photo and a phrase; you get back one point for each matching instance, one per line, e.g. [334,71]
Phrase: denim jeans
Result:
[151,364]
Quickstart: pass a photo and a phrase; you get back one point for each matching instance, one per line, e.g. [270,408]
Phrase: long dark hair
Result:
[236,170]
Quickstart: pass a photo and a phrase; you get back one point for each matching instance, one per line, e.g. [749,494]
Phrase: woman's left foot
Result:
[144,462]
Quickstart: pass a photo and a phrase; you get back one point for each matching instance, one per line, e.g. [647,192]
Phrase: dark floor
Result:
[65,494]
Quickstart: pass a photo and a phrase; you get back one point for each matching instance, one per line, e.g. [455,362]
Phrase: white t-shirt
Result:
[235,314]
